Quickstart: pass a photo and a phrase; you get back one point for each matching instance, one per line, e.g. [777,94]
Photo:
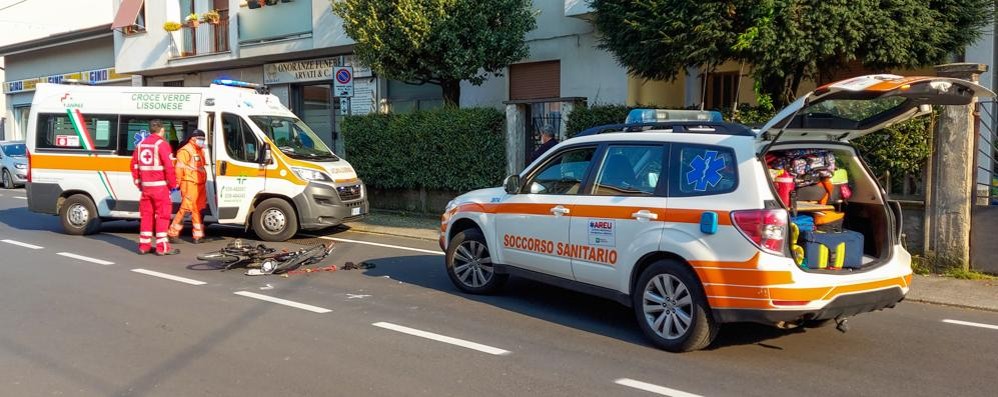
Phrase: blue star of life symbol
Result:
[706,170]
[140,136]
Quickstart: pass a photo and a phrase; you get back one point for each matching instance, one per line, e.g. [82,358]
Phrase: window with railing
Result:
[140,23]
[208,34]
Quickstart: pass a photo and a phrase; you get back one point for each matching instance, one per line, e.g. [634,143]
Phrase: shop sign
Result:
[98,76]
[299,71]
[13,87]
[105,75]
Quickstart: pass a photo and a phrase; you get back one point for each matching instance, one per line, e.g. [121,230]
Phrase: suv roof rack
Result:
[690,127]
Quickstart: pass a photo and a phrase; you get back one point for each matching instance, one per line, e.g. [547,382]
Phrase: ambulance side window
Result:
[563,174]
[629,171]
[58,131]
[130,128]
[702,170]
[240,142]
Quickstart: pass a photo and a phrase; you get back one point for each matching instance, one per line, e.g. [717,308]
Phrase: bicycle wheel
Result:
[218,257]
[306,256]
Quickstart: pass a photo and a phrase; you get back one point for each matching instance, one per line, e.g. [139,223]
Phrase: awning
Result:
[127,13]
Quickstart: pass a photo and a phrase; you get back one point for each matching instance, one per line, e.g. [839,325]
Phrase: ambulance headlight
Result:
[309,174]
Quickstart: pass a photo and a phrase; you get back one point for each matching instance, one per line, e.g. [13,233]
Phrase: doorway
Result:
[317,107]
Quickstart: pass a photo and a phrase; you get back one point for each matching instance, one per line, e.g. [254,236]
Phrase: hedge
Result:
[900,149]
[442,149]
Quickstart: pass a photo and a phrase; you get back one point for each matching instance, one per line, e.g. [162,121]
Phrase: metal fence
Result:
[985,155]
[205,38]
[543,116]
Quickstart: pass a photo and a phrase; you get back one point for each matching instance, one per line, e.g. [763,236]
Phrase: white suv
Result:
[683,220]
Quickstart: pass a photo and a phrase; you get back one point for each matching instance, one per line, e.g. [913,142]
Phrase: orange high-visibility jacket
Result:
[190,164]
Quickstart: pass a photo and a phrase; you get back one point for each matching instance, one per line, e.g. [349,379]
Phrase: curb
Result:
[951,304]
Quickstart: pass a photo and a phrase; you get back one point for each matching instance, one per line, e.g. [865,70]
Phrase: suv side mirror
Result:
[512,184]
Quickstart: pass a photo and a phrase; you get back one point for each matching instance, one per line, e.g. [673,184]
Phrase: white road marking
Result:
[279,301]
[21,197]
[169,277]
[25,245]
[441,338]
[648,387]
[398,247]
[968,323]
[85,258]
[357,296]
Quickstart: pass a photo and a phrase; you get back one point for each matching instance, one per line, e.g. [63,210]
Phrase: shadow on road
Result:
[560,306]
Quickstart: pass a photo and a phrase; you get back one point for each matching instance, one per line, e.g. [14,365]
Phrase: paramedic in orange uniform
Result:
[152,170]
[191,176]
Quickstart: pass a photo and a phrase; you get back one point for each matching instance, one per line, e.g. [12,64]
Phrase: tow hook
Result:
[841,324]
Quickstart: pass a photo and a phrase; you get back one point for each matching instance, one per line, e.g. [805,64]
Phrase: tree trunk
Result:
[452,92]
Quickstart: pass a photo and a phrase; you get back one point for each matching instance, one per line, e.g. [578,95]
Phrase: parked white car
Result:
[13,164]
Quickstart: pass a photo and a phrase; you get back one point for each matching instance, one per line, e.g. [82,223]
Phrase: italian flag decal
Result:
[76,117]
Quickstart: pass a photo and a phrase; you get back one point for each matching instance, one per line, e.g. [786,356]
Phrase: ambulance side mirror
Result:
[265,158]
[512,184]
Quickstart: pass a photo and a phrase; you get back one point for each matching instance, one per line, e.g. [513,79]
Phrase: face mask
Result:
[199,142]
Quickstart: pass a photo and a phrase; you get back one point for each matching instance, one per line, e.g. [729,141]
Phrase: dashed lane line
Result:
[85,258]
[970,324]
[399,247]
[21,197]
[169,277]
[442,338]
[652,388]
[25,245]
[285,302]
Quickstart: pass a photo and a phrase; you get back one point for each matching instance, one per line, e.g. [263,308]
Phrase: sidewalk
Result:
[975,294]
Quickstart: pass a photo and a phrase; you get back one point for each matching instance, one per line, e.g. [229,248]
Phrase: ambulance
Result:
[693,222]
[268,171]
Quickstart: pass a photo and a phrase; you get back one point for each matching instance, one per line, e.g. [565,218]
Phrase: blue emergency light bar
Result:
[242,84]
[663,115]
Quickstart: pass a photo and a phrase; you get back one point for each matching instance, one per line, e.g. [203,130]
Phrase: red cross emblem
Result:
[146,156]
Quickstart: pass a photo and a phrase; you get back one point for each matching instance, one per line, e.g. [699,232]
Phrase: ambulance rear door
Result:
[240,173]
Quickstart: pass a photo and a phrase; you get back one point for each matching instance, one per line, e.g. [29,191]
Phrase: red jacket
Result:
[152,163]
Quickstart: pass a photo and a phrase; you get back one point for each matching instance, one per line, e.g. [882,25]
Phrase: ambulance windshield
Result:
[294,138]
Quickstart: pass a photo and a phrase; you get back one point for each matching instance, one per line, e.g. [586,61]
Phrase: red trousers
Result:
[155,208]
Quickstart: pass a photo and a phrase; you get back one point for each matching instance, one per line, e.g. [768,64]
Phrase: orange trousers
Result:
[193,200]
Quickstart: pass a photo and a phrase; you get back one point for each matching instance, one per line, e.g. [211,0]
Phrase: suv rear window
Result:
[700,170]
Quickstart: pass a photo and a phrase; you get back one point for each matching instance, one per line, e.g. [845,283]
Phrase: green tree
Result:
[659,39]
[438,41]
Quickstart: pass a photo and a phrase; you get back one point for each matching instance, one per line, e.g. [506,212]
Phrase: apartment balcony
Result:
[202,39]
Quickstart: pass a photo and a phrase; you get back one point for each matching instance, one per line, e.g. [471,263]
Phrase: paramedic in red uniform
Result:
[191,177]
[152,171]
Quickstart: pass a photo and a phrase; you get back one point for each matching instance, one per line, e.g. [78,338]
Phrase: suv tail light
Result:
[767,229]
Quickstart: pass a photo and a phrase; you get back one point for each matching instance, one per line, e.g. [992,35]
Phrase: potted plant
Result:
[194,19]
[212,17]
[171,26]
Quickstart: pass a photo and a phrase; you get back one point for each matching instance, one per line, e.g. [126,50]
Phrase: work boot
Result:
[144,252]
[172,251]
[197,241]
[174,240]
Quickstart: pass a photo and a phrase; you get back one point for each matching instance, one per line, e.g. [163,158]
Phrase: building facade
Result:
[86,55]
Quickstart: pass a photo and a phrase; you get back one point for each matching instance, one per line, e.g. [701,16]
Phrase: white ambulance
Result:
[267,170]
[683,220]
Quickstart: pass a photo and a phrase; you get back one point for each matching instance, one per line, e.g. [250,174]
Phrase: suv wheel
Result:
[671,308]
[79,215]
[469,264]
[275,220]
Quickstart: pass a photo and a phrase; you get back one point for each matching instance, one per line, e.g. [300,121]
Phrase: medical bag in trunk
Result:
[835,250]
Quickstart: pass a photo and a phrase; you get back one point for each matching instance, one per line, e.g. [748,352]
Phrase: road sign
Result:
[343,81]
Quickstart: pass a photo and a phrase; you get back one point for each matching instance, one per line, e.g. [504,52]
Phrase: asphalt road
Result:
[86,316]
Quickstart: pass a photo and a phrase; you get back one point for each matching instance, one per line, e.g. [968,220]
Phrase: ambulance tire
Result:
[472,271]
[78,215]
[275,220]
[701,329]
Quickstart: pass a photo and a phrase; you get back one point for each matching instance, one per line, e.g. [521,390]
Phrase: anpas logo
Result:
[68,101]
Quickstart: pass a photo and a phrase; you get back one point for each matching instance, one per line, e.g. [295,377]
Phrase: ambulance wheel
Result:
[671,308]
[79,215]
[275,220]
[469,264]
